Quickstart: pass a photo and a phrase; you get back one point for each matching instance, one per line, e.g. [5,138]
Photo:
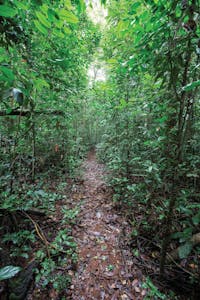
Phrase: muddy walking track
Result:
[105,268]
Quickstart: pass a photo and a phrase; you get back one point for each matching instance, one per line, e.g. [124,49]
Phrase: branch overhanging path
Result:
[105,268]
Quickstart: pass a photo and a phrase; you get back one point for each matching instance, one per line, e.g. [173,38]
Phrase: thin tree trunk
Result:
[33,150]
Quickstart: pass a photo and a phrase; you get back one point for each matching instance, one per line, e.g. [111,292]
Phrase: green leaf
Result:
[8,272]
[40,83]
[196,219]
[81,6]
[41,193]
[184,250]
[68,4]
[3,54]
[7,11]
[67,30]
[58,33]
[24,6]
[68,16]
[40,27]
[150,168]
[191,85]
[176,235]
[194,175]
[8,110]
[9,76]
[136,5]
[43,19]
[25,255]
[147,143]
[161,120]
[52,15]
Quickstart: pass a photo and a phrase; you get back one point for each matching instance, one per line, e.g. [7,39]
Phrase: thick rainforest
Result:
[99,149]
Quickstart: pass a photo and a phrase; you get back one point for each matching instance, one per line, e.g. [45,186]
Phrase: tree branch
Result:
[27,113]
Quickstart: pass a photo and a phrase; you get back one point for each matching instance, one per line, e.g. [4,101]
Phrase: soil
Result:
[111,263]
[105,268]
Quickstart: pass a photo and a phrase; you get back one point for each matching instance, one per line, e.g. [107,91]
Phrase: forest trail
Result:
[105,270]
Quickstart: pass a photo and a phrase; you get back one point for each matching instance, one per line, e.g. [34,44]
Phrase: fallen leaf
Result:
[71,273]
[109,274]
[137,289]
[102,295]
[135,282]
[96,233]
[53,294]
[98,215]
[114,286]
[143,292]
[154,254]
[104,257]
[124,297]
[193,266]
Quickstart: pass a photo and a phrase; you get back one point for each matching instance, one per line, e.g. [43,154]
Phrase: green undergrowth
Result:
[44,236]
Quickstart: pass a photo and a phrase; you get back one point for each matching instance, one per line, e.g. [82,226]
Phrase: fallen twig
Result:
[39,233]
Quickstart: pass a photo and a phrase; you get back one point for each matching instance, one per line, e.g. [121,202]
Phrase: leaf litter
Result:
[105,268]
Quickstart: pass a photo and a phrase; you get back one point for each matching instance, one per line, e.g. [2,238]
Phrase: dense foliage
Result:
[151,121]
[45,50]
[46,47]
[143,119]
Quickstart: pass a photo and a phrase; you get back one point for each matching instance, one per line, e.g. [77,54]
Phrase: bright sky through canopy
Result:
[98,14]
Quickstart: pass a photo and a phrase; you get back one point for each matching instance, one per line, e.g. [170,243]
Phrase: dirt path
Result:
[105,267]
